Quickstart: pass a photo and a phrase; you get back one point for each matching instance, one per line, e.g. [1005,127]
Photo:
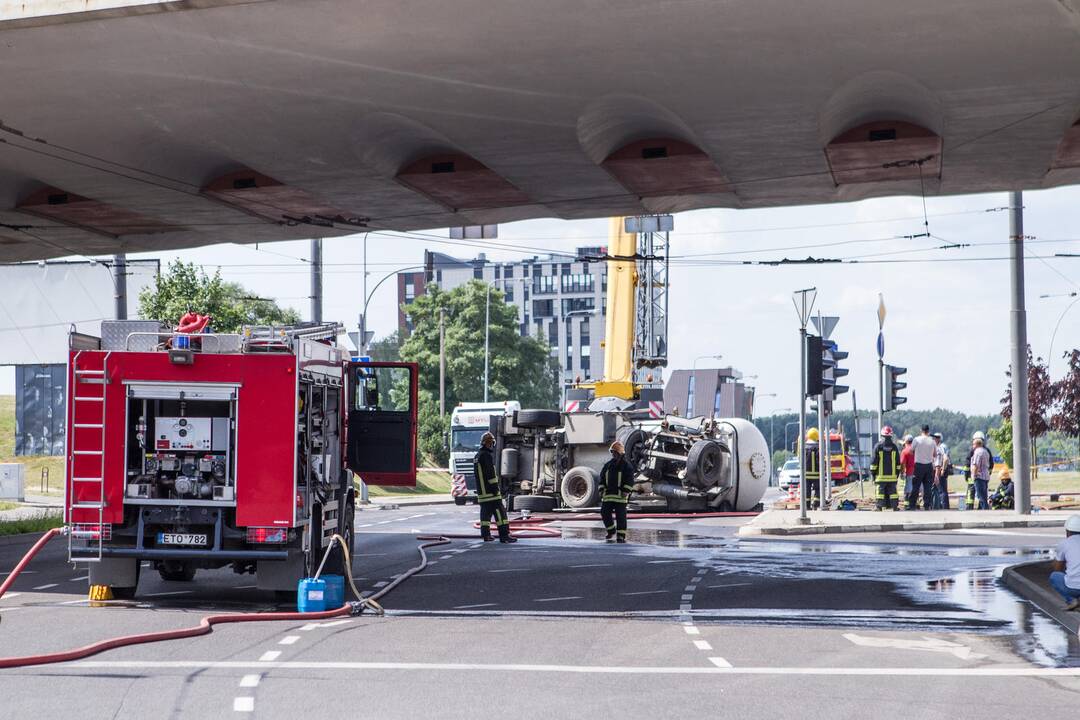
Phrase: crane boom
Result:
[618,380]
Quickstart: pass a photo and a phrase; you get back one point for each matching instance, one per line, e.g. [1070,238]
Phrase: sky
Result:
[947,309]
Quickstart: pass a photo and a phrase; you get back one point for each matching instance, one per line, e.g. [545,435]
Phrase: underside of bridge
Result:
[149,126]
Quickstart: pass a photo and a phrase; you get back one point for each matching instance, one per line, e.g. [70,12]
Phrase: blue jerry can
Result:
[335,591]
[311,595]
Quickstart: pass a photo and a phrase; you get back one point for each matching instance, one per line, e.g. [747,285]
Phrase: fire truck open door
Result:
[380,435]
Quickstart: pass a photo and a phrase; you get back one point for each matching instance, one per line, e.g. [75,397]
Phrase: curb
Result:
[822,529]
[1043,598]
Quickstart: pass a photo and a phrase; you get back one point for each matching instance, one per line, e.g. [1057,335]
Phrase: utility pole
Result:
[803,307]
[119,270]
[487,338]
[1021,425]
[880,362]
[442,363]
[316,281]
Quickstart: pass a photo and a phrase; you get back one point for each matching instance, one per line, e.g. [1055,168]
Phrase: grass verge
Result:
[37,523]
[428,482]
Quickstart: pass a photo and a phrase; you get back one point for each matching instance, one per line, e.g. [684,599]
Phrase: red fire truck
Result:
[214,450]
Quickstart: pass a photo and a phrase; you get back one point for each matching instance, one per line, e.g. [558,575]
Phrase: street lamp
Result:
[562,328]
[363,316]
[705,357]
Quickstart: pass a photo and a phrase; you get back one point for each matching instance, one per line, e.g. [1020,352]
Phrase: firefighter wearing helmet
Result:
[616,484]
[812,467]
[885,467]
[487,492]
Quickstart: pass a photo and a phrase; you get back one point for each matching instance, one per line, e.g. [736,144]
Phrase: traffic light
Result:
[814,367]
[814,406]
[429,266]
[831,356]
[892,385]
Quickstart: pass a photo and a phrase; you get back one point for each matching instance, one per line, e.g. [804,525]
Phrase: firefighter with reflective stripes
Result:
[812,466]
[616,484]
[487,492]
[885,467]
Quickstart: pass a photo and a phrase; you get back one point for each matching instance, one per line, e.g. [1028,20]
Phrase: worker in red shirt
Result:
[907,465]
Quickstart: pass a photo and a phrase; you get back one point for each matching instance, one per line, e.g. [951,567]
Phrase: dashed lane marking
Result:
[644,592]
[711,587]
[507,570]
[46,586]
[250,681]
[720,663]
[691,630]
[687,596]
[289,640]
[334,623]
[270,656]
[173,592]
[664,562]
[592,565]
[557,599]
[243,704]
[383,583]
[688,588]
[684,607]
[469,607]
[80,578]
[702,645]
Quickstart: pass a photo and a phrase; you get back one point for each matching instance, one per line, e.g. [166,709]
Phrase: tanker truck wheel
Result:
[703,463]
[580,487]
[538,419]
[534,503]
[633,440]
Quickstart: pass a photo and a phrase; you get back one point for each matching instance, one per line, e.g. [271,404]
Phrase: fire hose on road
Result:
[207,624]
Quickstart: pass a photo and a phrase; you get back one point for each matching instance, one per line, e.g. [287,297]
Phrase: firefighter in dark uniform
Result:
[812,466]
[616,484]
[885,467]
[487,492]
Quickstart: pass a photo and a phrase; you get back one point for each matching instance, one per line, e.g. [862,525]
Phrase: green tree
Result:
[186,287]
[1003,439]
[387,349]
[1041,400]
[520,369]
[1066,419]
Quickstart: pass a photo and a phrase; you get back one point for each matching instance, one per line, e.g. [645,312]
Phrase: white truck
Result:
[468,423]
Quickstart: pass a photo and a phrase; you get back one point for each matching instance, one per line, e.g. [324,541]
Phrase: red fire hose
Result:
[205,625]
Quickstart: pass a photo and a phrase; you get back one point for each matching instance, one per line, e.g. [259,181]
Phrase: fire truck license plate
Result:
[181,539]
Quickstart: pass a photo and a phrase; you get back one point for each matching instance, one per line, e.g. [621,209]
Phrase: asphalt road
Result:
[686,620]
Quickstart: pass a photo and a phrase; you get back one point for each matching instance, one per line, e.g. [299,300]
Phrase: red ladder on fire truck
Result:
[86,449]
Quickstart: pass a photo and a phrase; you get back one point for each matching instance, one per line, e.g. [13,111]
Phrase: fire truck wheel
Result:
[539,419]
[128,593]
[534,503]
[580,488]
[177,571]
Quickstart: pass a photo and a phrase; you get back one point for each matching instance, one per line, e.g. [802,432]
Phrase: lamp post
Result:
[562,324]
[705,357]
[363,315]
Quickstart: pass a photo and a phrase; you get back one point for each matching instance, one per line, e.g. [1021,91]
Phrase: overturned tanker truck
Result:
[550,459]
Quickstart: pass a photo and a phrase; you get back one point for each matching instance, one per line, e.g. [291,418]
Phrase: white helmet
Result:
[1073,524]
[979,435]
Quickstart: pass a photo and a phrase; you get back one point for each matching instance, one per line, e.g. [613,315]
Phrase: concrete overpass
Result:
[131,125]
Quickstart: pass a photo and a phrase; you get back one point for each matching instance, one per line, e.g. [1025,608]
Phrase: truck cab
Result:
[468,423]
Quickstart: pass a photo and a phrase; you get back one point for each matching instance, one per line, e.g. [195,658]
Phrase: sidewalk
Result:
[1030,581]
[786,522]
[33,506]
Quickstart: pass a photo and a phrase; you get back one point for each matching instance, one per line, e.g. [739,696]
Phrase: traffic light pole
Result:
[803,307]
[881,394]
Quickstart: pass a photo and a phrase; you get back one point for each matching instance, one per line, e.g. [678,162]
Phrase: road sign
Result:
[880,311]
[649,224]
[824,325]
[880,345]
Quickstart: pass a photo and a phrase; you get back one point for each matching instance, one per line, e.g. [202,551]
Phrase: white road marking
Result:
[246,587]
[720,662]
[368,554]
[383,583]
[18,607]
[46,586]
[270,656]
[556,599]
[688,596]
[645,592]
[314,626]
[243,704]
[507,570]
[591,565]
[664,562]
[703,571]
[933,673]
[928,644]
[684,607]
[250,681]
[12,594]
[365,525]
[433,562]
[289,640]
[727,585]
[702,645]
[467,607]
[691,630]
[981,531]
[173,592]
[689,588]
[80,578]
